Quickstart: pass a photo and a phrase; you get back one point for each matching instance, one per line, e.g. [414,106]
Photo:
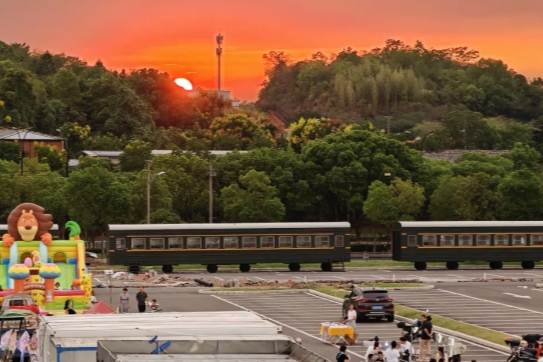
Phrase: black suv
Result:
[371,303]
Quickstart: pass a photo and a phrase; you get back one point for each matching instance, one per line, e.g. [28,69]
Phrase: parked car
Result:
[370,303]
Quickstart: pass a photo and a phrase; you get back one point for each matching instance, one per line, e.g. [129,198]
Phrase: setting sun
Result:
[184,83]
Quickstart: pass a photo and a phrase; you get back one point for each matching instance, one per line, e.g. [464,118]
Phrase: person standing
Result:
[425,338]
[93,298]
[342,356]
[141,297]
[351,321]
[124,301]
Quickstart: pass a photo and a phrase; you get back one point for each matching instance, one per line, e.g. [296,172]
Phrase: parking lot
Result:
[500,316]
[304,312]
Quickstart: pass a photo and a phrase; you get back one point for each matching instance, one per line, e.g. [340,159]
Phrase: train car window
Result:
[213,242]
[285,241]
[303,241]
[483,240]
[248,242]
[536,239]
[519,239]
[194,243]
[446,240]
[156,243]
[465,240]
[429,240]
[338,241]
[120,244]
[175,243]
[501,240]
[230,242]
[322,241]
[267,241]
[412,240]
[137,243]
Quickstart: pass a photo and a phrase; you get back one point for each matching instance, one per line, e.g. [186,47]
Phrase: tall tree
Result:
[254,200]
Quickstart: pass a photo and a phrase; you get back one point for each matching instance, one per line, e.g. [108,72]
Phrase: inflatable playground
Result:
[32,262]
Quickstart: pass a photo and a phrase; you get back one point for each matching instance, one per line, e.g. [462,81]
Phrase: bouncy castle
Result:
[32,262]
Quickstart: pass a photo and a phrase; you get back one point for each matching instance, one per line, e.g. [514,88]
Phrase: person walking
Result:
[124,301]
[425,338]
[141,297]
[342,356]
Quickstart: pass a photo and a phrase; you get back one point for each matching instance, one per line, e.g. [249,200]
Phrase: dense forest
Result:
[357,124]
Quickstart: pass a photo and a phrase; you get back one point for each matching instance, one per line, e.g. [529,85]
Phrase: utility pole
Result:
[211,175]
[219,53]
[149,191]
[388,124]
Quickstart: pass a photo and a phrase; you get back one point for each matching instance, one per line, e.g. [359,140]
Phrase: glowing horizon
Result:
[179,37]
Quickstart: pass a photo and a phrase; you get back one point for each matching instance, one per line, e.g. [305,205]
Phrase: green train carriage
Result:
[453,242]
[211,245]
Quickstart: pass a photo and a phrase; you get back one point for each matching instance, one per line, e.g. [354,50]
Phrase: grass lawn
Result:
[466,328]
[352,264]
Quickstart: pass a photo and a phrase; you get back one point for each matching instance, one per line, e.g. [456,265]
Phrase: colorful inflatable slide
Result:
[32,262]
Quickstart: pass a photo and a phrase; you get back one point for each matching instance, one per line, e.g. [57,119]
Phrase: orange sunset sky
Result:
[178,36]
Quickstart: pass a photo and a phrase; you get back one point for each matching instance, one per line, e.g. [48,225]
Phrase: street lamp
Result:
[65,146]
[21,149]
[149,189]
[424,139]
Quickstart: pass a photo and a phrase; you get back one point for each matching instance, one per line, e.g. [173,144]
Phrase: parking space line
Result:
[490,301]
[279,323]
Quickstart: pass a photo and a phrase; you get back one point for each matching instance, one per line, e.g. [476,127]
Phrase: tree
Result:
[237,131]
[255,201]
[340,168]
[401,200]
[306,130]
[51,156]
[96,198]
[161,199]
[134,156]
[522,196]
[466,198]
[64,86]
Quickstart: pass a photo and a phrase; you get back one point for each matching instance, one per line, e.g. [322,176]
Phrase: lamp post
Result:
[424,139]
[65,146]
[211,175]
[21,149]
[149,189]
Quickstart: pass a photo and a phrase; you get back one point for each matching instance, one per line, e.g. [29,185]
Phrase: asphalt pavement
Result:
[427,276]
[303,312]
[501,307]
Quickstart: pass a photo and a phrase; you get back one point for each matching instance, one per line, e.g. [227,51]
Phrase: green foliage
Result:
[9,151]
[135,156]
[522,196]
[237,131]
[254,200]
[50,155]
[306,130]
[97,198]
[401,200]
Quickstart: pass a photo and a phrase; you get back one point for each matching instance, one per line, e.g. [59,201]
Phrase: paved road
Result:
[429,276]
[303,312]
[481,304]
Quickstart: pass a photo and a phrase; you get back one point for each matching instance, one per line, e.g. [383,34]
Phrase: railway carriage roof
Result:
[466,224]
[255,226]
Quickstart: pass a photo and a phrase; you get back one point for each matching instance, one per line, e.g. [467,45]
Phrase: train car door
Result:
[396,245]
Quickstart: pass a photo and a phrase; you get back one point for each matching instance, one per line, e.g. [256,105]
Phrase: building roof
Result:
[453,155]
[225,226]
[26,135]
[117,154]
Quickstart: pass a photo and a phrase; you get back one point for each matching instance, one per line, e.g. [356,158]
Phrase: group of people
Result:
[141,299]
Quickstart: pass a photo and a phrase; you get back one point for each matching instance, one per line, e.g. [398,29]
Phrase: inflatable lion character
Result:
[28,222]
